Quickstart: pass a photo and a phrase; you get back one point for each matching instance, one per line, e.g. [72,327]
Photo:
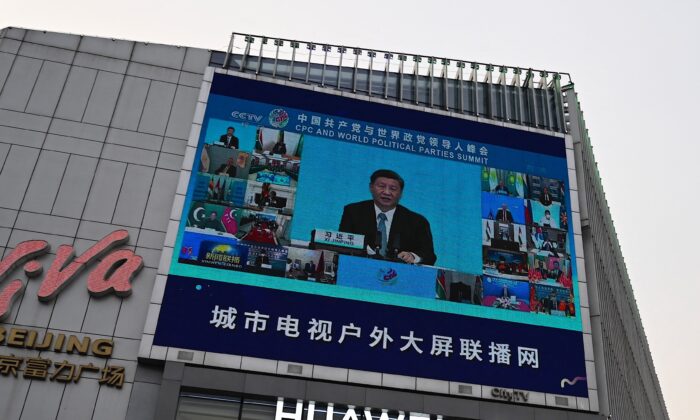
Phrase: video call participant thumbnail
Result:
[280,148]
[228,139]
[227,169]
[388,226]
[504,215]
[212,222]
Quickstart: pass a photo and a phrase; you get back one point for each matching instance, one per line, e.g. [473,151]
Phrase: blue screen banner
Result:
[332,231]
[253,321]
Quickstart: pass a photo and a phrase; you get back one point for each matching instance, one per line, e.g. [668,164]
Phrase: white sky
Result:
[635,68]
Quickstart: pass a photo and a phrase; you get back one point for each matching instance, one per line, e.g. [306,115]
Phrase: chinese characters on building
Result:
[42,369]
[391,138]
[380,338]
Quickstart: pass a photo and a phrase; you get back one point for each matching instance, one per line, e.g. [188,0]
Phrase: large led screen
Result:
[338,232]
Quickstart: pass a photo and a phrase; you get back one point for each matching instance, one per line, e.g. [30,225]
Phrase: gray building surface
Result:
[93,133]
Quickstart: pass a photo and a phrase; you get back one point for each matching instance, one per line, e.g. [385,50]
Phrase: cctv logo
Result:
[246,116]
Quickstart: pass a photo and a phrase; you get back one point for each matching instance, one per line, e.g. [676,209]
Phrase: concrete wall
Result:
[92,137]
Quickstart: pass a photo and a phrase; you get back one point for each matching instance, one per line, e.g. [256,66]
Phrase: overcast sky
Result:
[635,67]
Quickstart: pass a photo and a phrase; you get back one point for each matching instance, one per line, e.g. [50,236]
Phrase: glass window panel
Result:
[453,94]
[554,112]
[283,68]
[234,61]
[468,97]
[513,103]
[407,87]
[346,78]
[378,78]
[251,63]
[393,89]
[528,116]
[362,82]
[423,90]
[261,409]
[497,98]
[204,408]
[217,58]
[331,76]
[482,96]
[267,65]
[316,73]
[439,92]
[541,116]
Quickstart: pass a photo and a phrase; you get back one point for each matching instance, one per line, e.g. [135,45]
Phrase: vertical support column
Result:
[260,55]
[371,55]
[357,53]
[488,80]
[546,119]
[248,40]
[529,86]
[169,393]
[502,70]
[294,45]
[402,59]
[342,51]
[431,64]
[446,91]
[387,67]
[460,79]
[278,44]
[229,50]
[518,114]
[325,48]
[474,78]
[311,47]
[559,120]
[416,61]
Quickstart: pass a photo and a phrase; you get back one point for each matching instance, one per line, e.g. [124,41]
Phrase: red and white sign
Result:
[111,274]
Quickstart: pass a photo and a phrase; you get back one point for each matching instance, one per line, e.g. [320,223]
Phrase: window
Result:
[259,409]
[199,407]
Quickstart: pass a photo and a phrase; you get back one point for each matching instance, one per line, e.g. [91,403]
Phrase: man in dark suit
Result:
[228,139]
[501,188]
[213,222]
[280,148]
[262,259]
[545,197]
[310,268]
[541,270]
[556,272]
[504,215]
[228,168]
[390,229]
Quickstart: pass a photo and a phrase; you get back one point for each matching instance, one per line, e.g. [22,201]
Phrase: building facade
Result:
[101,142]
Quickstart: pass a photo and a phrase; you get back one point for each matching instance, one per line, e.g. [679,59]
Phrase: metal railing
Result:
[506,93]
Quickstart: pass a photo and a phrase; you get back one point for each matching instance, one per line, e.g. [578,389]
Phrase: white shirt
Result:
[389,218]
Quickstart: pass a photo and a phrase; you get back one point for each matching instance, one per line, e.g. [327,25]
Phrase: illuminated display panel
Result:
[327,230]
